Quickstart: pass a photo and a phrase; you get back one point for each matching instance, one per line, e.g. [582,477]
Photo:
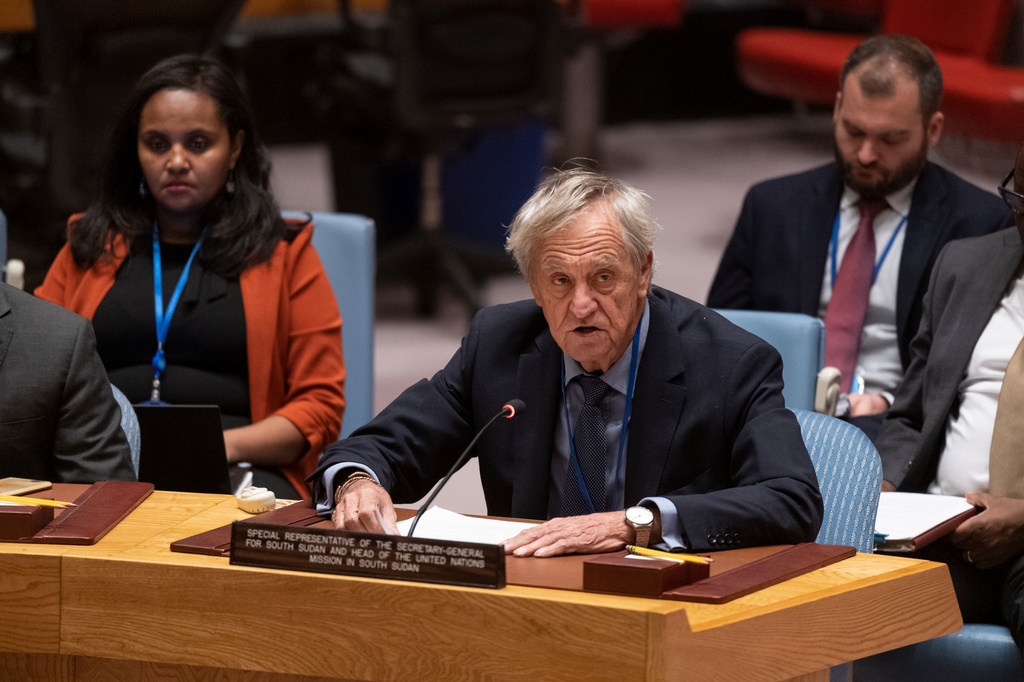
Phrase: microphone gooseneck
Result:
[508,411]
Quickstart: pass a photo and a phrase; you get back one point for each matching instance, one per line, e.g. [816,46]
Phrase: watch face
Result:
[641,516]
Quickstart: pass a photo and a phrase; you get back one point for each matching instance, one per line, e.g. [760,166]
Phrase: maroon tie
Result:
[844,317]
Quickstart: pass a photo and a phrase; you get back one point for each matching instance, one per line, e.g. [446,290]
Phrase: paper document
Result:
[441,524]
[911,520]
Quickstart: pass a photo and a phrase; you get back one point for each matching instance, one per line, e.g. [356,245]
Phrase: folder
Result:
[217,542]
[100,508]
[906,522]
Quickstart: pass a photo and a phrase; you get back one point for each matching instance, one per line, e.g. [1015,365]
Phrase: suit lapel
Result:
[926,231]
[657,404]
[537,383]
[816,220]
[971,310]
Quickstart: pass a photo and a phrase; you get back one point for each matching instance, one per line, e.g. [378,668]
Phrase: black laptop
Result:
[182,448]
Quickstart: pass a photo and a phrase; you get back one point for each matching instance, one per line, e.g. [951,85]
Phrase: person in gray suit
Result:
[58,417]
[937,435]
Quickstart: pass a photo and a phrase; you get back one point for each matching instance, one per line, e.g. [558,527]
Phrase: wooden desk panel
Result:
[30,603]
[130,608]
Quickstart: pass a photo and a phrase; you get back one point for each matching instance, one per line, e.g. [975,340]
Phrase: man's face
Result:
[591,294]
[881,143]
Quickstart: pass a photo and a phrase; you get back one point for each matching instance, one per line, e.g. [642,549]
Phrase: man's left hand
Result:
[864,404]
[995,534]
[592,533]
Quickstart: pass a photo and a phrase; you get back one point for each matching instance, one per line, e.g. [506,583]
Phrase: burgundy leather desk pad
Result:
[734,572]
[101,506]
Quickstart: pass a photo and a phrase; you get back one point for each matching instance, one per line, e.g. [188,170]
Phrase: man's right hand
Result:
[866,404]
[365,506]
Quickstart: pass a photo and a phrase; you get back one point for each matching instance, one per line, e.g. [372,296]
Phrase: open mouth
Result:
[585,330]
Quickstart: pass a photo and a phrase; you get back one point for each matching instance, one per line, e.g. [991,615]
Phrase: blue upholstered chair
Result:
[977,652]
[800,339]
[849,475]
[130,425]
[850,478]
[346,246]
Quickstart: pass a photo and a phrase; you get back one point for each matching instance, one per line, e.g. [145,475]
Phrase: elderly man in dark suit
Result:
[797,245]
[58,417]
[956,428]
[649,418]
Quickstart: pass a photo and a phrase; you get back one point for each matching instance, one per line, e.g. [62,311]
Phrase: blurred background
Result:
[437,119]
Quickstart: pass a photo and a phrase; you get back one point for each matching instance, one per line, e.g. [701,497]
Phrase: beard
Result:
[891,181]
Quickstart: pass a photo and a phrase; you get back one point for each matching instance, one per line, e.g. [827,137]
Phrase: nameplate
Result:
[369,555]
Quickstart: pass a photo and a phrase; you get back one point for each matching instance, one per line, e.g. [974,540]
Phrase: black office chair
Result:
[91,52]
[445,71]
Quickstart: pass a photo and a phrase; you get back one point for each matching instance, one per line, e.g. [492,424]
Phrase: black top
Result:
[205,349]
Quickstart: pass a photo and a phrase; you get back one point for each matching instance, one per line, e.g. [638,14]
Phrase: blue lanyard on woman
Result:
[627,411]
[163,320]
[878,265]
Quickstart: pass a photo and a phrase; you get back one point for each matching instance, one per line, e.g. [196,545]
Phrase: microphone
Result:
[509,410]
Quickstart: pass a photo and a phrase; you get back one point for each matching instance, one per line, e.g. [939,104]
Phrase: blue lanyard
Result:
[627,412]
[163,320]
[878,265]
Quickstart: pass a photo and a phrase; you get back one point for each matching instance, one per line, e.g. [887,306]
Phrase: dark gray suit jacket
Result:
[776,257]
[709,429]
[58,418]
[967,283]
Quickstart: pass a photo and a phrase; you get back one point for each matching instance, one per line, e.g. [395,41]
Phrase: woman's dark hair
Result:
[242,229]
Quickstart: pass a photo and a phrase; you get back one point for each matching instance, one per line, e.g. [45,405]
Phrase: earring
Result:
[142,188]
[229,186]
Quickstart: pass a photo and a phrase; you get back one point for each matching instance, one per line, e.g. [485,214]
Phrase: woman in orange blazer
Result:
[246,318]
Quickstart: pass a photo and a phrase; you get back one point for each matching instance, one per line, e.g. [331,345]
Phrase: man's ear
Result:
[934,128]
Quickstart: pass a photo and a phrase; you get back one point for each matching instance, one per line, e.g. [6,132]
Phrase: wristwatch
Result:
[642,521]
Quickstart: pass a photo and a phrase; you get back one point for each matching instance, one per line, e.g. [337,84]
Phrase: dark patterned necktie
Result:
[844,317]
[591,452]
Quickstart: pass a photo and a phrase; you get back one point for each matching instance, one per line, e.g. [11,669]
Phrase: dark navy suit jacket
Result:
[709,429]
[776,257]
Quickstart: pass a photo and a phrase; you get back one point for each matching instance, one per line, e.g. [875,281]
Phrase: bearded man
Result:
[854,242]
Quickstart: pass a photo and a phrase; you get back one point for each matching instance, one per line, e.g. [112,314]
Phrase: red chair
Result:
[804,64]
[582,94]
[983,100]
[601,14]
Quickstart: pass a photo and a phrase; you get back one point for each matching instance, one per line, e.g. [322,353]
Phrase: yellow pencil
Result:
[35,501]
[671,556]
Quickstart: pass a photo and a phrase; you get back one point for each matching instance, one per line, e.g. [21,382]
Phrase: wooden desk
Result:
[128,608]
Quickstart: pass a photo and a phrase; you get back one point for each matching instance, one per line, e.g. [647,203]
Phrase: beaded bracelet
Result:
[353,477]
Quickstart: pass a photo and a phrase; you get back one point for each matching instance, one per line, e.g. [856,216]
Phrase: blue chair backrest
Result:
[130,425]
[849,475]
[346,245]
[800,339]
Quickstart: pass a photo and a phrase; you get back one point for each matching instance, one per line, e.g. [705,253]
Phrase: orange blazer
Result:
[293,335]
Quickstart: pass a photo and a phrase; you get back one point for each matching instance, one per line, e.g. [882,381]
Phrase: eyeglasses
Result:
[1014,200]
